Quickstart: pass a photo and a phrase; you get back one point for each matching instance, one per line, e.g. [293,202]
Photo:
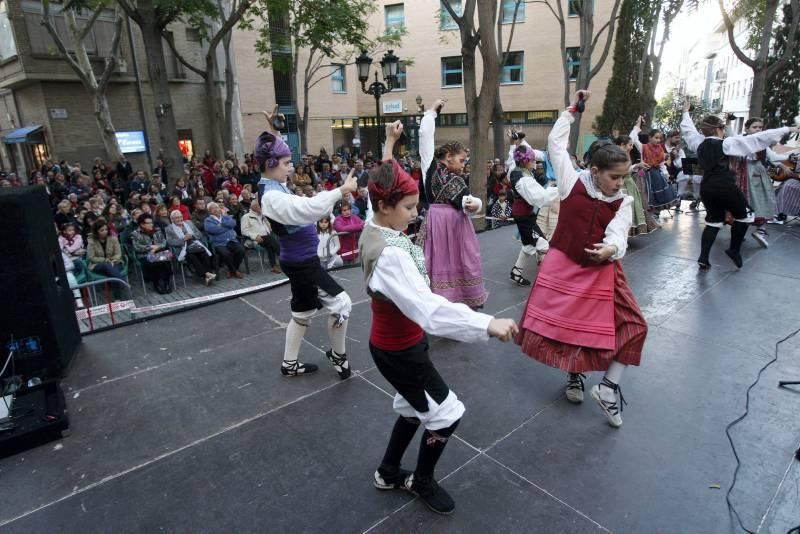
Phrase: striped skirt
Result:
[788,198]
[630,331]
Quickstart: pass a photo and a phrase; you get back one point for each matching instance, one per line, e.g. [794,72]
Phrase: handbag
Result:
[160,256]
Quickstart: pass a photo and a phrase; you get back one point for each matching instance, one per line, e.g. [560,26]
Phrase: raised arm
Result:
[534,194]
[744,145]
[427,127]
[634,135]
[689,132]
[297,210]
[557,143]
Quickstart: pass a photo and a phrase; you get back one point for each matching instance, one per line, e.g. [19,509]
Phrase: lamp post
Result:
[390,64]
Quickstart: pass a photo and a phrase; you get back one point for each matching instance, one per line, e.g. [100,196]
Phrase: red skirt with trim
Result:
[580,319]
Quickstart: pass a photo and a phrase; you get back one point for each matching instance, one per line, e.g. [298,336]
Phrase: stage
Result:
[184,423]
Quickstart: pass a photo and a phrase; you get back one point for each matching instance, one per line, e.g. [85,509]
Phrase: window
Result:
[508,11]
[573,61]
[513,68]
[446,22]
[8,47]
[574,7]
[452,119]
[401,77]
[452,72]
[395,16]
[338,81]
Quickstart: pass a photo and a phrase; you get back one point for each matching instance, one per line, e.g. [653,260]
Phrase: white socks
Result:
[294,337]
[337,335]
[614,374]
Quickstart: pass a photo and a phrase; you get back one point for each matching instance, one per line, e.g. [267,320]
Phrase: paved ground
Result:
[183,424]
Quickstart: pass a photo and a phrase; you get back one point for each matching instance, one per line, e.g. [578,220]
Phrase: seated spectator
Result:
[256,228]
[182,192]
[233,186]
[71,242]
[202,193]
[176,204]
[150,247]
[234,209]
[302,177]
[246,198]
[64,214]
[117,219]
[348,223]
[501,210]
[155,193]
[140,183]
[80,188]
[161,217]
[329,245]
[199,213]
[221,232]
[183,235]
[104,254]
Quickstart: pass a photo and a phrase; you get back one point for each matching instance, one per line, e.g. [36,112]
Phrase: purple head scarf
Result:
[269,149]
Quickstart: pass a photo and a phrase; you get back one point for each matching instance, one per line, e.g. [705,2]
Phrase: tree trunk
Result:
[229,94]
[304,133]
[757,97]
[302,122]
[650,102]
[159,84]
[215,122]
[498,128]
[102,116]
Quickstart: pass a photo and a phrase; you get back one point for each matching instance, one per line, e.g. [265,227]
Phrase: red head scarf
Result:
[402,186]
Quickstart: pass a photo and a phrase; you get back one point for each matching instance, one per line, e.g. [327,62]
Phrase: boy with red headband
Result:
[293,219]
[403,310]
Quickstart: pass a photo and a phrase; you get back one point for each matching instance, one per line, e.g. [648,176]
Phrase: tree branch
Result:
[331,73]
[613,22]
[48,24]
[790,41]
[237,12]
[130,10]
[597,37]
[89,23]
[560,19]
[732,39]
[111,61]
[170,39]
[513,27]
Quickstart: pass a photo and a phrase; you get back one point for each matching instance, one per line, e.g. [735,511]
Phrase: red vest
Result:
[582,222]
[391,330]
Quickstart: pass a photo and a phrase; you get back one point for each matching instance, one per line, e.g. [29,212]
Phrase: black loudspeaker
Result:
[37,313]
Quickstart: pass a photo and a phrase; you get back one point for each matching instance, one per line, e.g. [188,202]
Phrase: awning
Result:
[21,135]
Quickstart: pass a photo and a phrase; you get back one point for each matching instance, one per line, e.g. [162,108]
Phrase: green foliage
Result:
[326,26]
[621,107]
[782,96]
[669,111]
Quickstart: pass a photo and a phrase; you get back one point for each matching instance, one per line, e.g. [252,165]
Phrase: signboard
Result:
[131,142]
[58,113]
[392,106]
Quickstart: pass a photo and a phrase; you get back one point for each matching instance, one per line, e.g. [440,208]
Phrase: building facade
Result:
[45,111]
[339,112]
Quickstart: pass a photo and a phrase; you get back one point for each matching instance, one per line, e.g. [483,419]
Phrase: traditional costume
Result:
[528,195]
[660,194]
[293,220]
[582,316]
[452,253]
[756,185]
[719,190]
[403,310]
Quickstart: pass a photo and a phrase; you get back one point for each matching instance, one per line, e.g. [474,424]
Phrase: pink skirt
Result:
[580,319]
[453,256]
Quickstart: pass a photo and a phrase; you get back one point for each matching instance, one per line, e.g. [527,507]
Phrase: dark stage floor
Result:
[184,424]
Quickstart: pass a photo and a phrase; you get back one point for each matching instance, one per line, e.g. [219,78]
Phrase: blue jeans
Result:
[109,270]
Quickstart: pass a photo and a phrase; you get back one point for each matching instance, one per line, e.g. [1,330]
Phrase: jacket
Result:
[175,240]
[142,242]
[255,225]
[97,253]
[220,231]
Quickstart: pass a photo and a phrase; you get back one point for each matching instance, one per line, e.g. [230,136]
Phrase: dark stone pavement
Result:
[183,424]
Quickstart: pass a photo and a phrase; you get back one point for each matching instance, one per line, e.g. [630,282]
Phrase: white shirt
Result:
[566,177]
[738,145]
[533,192]
[427,127]
[398,279]
[296,210]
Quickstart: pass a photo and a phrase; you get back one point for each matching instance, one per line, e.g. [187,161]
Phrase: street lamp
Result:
[420,107]
[390,64]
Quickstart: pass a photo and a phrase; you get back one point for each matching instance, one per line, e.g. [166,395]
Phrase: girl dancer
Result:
[639,223]
[756,185]
[293,220]
[452,254]
[660,193]
[528,194]
[403,310]
[718,189]
[581,315]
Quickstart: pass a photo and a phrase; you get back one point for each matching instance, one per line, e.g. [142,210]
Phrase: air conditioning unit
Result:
[122,66]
